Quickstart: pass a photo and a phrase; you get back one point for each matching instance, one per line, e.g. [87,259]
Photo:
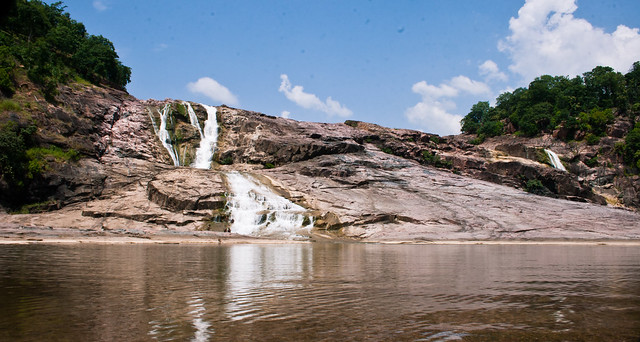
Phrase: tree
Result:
[97,60]
[632,79]
[632,147]
[607,87]
[471,122]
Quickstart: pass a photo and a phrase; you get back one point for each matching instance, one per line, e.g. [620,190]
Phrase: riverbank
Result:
[20,234]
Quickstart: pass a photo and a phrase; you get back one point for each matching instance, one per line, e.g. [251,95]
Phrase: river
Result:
[319,291]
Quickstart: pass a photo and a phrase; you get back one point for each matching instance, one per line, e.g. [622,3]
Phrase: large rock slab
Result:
[375,196]
[187,189]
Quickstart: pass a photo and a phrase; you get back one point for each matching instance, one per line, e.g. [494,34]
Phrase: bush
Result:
[477,140]
[13,157]
[593,162]
[535,186]
[226,161]
[592,139]
[433,159]
[386,150]
[595,121]
[269,166]
[9,106]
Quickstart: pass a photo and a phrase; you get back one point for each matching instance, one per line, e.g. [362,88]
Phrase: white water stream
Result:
[204,152]
[257,210]
[555,160]
[193,118]
[163,134]
[254,208]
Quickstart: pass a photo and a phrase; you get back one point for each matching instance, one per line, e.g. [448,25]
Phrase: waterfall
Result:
[204,152]
[257,210]
[192,117]
[163,134]
[555,161]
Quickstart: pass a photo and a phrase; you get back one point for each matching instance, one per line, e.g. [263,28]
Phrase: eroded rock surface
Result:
[361,181]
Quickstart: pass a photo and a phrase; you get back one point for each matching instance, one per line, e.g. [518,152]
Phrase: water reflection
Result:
[319,292]
[253,269]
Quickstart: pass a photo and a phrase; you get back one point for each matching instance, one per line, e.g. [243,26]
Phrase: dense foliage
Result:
[41,43]
[581,107]
[53,48]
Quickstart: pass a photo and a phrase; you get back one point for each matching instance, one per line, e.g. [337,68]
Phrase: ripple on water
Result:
[347,292]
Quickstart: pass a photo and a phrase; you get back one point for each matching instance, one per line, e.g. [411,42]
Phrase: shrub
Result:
[386,150]
[593,162]
[433,159]
[534,186]
[9,106]
[477,140]
[269,166]
[592,139]
[226,161]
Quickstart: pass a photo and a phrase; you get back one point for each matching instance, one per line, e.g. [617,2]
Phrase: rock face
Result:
[187,189]
[360,180]
[255,138]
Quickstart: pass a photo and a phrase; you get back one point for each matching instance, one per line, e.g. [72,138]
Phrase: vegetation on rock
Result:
[581,108]
[52,48]
[42,49]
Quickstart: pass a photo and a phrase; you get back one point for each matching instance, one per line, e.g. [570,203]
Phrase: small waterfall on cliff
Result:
[163,134]
[257,210]
[192,117]
[208,140]
[555,161]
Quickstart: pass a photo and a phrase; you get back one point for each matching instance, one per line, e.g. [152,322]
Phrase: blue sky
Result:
[403,64]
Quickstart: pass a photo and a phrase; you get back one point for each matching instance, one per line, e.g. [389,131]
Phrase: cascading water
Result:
[257,210]
[254,208]
[555,161]
[163,134]
[193,118]
[204,152]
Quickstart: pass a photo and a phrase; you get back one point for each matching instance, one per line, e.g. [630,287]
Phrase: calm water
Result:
[319,292]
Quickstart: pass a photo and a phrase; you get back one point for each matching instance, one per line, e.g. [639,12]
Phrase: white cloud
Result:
[470,86]
[489,69]
[433,112]
[285,114]
[547,39]
[297,95]
[99,5]
[212,89]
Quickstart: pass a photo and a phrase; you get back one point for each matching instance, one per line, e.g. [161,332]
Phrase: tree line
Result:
[580,107]
[53,49]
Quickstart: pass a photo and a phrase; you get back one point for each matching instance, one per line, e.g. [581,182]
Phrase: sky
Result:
[402,64]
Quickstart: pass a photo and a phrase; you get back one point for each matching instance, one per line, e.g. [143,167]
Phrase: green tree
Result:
[471,122]
[607,87]
[632,147]
[54,48]
[632,79]
[97,60]
[596,121]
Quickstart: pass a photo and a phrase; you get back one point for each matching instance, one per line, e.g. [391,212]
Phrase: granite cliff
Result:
[355,180]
